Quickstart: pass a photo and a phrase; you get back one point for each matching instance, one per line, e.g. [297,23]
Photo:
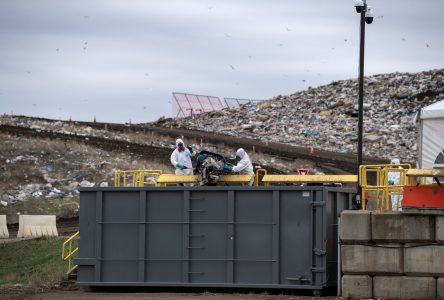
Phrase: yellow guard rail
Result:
[379,188]
[297,179]
[419,176]
[137,178]
[70,248]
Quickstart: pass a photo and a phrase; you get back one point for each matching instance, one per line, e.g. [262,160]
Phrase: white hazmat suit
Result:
[182,157]
[393,179]
[244,166]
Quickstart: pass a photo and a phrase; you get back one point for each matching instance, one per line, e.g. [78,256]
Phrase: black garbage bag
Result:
[210,166]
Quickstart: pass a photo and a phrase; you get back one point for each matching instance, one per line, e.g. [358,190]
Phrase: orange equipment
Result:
[423,196]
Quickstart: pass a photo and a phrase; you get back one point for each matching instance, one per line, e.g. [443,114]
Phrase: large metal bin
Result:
[261,237]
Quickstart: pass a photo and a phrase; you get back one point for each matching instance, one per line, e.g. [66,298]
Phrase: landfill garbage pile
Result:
[141,138]
[326,117]
[50,172]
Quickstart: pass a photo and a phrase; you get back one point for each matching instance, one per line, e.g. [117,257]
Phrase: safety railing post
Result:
[68,256]
[256,177]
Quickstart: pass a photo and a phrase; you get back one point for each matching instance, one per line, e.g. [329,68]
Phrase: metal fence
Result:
[236,102]
[186,105]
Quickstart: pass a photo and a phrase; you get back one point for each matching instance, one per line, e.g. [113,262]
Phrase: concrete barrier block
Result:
[396,227]
[378,259]
[439,228]
[31,226]
[403,287]
[355,226]
[4,233]
[424,260]
[440,288]
[357,287]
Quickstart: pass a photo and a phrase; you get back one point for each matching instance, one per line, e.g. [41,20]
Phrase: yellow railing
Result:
[70,248]
[379,188]
[304,179]
[136,178]
[424,176]
[256,178]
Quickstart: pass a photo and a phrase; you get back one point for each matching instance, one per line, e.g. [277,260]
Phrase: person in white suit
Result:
[393,179]
[181,158]
[244,164]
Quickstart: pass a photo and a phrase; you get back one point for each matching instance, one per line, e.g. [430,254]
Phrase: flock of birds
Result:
[231,66]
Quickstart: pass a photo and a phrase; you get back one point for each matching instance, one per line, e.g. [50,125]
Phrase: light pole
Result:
[366,17]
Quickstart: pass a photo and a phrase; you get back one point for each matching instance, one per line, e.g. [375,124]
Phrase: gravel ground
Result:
[67,290]
[68,295]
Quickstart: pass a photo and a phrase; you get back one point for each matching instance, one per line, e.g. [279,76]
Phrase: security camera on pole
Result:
[366,17]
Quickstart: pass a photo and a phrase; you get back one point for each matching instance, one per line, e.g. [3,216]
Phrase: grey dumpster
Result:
[259,237]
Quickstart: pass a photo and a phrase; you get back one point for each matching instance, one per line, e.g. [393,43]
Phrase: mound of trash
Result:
[326,117]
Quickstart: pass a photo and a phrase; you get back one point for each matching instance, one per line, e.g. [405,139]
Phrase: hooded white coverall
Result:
[182,157]
[244,166]
[394,177]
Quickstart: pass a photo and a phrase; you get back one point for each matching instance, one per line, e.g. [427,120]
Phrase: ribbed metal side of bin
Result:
[261,237]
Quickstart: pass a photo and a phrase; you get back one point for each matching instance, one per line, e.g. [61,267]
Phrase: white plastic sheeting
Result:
[431,137]
[434,111]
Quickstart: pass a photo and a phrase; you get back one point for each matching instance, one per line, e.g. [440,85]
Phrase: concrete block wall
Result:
[392,255]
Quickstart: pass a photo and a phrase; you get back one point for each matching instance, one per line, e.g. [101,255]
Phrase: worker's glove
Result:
[190,148]
[228,168]
[233,157]
[180,166]
[391,182]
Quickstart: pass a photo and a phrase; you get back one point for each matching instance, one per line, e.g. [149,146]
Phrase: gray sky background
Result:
[120,60]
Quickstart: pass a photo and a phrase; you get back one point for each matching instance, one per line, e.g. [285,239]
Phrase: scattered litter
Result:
[311,117]
[86,183]
[78,177]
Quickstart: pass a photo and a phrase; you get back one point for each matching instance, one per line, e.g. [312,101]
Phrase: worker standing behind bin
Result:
[393,179]
[181,158]
[244,165]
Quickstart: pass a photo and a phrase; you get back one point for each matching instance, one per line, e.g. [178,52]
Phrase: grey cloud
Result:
[185,46]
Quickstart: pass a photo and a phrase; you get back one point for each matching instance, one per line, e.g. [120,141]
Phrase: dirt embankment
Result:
[333,162]
[152,152]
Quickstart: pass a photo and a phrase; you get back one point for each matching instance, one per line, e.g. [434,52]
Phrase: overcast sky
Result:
[120,60]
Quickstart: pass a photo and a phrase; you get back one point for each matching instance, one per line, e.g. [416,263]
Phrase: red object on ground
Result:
[312,151]
[303,171]
[423,196]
